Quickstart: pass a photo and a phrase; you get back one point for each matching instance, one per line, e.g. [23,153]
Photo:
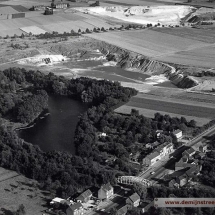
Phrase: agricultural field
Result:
[16,189]
[202,35]
[149,105]
[202,57]
[146,42]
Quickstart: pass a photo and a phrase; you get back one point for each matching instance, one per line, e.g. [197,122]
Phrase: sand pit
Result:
[164,15]
[42,60]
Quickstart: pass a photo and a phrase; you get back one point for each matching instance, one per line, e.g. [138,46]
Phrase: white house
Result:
[178,134]
[133,200]
[105,192]
[75,209]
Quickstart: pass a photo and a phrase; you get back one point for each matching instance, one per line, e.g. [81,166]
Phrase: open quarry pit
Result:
[165,15]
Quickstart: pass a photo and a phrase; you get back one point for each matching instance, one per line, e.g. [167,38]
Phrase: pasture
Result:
[148,105]
[16,189]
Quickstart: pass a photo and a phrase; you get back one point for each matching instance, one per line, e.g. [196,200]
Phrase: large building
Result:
[105,192]
[159,152]
[151,158]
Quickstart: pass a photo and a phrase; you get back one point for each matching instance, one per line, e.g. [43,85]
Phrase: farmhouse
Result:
[178,134]
[75,209]
[133,200]
[85,196]
[105,192]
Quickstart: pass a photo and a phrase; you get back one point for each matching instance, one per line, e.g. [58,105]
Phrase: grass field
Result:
[16,189]
[149,104]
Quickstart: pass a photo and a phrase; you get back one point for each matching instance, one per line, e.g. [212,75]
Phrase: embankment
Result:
[136,62]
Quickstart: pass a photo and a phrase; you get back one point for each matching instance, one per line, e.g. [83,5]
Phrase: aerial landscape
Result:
[107,107]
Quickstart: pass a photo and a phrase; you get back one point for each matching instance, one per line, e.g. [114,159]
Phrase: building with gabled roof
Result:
[189,152]
[194,170]
[75,209]
[146,208]
[151,158]
[85,196]
[172,183]
[182,180]
[181,165]
[178,134]
[164,149]
[105,192]
[152,145]
[123,210]
[133,200]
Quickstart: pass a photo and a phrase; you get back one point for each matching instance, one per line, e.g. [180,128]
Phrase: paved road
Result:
[168,163]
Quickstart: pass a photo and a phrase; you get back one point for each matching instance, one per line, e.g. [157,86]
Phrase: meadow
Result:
[16,189]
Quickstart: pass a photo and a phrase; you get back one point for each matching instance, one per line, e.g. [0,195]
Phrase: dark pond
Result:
[56,131]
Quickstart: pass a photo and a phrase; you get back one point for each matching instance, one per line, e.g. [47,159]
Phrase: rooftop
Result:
[177,131]
[76,206]
[122,210]
[85,194]
[153,155]
[190,150]
[107,187]
[134,197]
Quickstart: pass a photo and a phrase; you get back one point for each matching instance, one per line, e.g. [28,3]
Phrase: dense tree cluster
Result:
[30,107]
[56,171]
[55,34]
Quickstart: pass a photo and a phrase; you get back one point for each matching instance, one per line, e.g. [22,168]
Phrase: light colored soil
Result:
[16,189]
